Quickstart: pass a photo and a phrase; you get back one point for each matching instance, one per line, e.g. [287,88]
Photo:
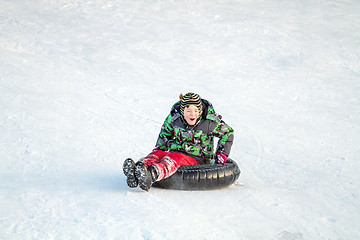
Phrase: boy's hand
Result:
[221,158]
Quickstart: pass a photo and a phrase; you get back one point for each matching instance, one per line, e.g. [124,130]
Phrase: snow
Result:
[87,83]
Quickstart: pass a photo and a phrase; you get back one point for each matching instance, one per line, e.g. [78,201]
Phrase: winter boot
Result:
[146,176]
[129,171]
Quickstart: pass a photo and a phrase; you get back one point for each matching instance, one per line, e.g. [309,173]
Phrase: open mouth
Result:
[192,119]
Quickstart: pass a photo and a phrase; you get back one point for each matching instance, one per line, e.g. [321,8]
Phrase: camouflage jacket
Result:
[196,141]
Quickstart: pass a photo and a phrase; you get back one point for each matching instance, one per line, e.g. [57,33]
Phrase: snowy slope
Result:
[85,84]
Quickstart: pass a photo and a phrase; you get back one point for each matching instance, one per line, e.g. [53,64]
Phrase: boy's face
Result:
[191,114]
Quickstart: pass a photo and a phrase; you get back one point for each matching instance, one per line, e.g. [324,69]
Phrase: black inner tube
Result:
[202,177]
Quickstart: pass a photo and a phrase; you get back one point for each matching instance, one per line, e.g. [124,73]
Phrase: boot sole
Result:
[140,173]
[129,172]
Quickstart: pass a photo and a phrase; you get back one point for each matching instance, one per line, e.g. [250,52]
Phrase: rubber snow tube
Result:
[202,177]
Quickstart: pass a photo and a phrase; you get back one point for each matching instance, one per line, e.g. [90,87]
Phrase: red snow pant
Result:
[167,163]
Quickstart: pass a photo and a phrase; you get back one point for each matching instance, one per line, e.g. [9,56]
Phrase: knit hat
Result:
[190,99]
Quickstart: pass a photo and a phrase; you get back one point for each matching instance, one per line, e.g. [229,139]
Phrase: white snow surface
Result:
[87,83]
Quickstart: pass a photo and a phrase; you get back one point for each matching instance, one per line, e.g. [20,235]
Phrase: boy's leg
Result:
[154,157]
[170,163]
